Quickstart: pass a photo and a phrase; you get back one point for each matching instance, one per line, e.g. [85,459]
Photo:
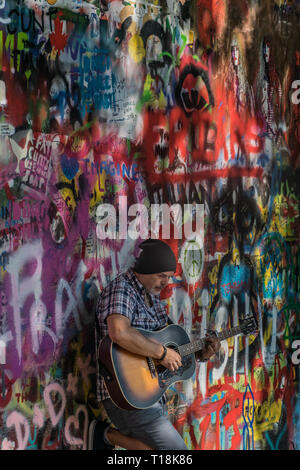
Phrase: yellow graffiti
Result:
[101,187]
[284,2]
[136,48]
[282,220]
[22,39]
[266,416]
[213,275]
[162,102]
[68,196]
[53,54]
[186,436]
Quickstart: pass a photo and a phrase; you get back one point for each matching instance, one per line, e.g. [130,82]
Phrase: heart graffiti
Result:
[73,424]
[70,166]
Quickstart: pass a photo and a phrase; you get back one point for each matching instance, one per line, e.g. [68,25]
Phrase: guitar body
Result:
[137,382]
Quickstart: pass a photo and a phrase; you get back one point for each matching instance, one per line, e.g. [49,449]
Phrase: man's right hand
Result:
[129,338]
[172,360]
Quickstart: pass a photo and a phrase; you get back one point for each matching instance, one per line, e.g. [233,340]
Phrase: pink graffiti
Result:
[85,368]
[55,416]
[74,423]
[72,384]
[38,416]
[21,426]
[7,444]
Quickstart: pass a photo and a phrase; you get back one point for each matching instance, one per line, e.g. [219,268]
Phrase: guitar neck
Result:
[199,344]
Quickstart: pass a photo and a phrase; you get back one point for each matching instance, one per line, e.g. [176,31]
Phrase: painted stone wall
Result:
[150,102]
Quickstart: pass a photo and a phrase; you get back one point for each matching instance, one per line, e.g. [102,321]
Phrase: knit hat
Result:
[156,257]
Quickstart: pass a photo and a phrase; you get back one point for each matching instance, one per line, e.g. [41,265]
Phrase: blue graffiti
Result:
[248,416]
[234,280]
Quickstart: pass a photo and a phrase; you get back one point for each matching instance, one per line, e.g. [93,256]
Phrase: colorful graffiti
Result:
[177,102]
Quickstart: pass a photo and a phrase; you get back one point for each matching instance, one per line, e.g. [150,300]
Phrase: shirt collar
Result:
[132,277]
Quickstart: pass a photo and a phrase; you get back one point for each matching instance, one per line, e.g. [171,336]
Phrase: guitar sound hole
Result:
[165,375]
[160,369]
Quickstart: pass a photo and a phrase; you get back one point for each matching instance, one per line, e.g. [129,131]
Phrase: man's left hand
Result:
[212,345]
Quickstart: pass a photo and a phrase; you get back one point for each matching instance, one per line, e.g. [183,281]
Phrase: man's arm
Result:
[122,333]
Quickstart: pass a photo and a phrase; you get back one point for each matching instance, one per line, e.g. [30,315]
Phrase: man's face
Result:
[154,283]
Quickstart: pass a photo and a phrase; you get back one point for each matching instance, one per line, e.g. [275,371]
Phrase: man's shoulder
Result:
[118,296]
[119,282]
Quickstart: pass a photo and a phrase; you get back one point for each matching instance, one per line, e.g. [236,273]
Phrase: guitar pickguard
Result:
[166,376]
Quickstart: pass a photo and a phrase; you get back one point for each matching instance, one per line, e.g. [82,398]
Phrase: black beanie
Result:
[156,257]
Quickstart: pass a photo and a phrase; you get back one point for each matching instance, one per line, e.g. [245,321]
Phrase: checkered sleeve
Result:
[117,298]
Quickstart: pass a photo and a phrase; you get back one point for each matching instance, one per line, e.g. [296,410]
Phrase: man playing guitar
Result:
[129,302]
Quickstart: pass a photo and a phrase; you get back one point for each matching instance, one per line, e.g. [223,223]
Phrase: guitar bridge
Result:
[151,367]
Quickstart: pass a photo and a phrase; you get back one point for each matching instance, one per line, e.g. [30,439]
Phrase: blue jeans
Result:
[151,426]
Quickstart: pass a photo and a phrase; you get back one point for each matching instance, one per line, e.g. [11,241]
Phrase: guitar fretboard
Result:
[199,344]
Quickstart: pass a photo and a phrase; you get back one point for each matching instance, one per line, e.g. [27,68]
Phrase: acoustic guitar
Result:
[137,382]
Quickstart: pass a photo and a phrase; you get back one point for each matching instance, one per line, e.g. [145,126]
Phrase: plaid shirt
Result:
[125,296]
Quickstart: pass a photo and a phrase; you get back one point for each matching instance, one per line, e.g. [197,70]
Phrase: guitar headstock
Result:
[248,325]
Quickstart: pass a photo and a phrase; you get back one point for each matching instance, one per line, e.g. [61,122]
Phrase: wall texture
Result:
[159,101]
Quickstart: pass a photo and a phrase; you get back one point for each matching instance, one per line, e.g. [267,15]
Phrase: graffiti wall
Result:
[150,102]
